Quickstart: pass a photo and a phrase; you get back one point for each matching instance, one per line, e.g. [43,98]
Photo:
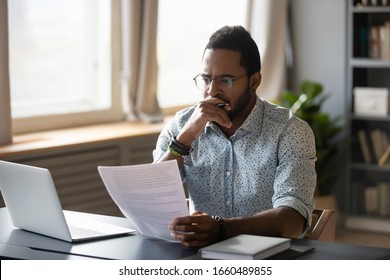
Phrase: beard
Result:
[241,104]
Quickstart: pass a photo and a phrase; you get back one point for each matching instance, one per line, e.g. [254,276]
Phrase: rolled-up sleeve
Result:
[296,178]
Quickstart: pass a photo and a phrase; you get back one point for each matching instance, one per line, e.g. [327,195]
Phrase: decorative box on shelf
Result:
[371,101]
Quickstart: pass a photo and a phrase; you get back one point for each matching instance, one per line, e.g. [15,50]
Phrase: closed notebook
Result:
[246,247]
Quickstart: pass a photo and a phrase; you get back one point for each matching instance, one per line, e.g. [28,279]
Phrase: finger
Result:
[195,218]
[186,220]
[186,229]
[195,240]
[188,237]
[215,114]
[197,212]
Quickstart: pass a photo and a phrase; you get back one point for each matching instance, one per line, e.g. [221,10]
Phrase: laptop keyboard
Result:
[83,232]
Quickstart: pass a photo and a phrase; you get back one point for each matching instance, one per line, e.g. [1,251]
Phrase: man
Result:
[249,165]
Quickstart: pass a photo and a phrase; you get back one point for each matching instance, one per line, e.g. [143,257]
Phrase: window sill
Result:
[30,143]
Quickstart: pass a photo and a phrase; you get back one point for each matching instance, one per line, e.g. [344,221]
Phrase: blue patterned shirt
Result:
[269,162]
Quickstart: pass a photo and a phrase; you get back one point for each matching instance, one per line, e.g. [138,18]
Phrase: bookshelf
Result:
[368,66]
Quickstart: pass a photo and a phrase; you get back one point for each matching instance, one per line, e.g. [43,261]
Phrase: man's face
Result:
[221,62]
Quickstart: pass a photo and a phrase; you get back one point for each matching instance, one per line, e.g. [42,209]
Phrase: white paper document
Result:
[149,195]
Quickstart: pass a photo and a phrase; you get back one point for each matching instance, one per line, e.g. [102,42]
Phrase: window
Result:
[61,63]
[184,28]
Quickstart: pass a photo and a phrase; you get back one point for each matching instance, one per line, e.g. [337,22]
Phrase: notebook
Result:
[246,247]
[33,204]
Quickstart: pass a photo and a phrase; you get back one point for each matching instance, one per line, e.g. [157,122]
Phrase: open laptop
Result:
[33,204]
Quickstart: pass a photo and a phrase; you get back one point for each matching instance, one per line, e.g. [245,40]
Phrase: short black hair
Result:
[237,38]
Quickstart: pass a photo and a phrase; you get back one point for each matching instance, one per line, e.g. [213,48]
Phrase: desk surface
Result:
[20,244]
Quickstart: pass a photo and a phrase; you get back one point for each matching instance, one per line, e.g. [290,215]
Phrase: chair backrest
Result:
[323,226]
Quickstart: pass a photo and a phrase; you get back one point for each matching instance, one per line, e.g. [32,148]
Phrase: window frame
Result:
[112,114]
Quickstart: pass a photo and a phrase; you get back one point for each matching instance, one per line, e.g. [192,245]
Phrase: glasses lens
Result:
[202,82]
[224,82]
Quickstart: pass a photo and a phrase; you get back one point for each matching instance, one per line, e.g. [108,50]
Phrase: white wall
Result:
[319,40]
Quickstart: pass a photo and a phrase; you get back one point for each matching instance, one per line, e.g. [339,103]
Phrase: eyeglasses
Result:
[223,82]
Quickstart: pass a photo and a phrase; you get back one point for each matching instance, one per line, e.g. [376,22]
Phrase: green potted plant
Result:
[307,106]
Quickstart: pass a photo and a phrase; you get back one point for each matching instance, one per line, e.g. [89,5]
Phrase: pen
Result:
[220,105]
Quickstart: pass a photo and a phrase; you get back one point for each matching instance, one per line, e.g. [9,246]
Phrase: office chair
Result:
[323,226]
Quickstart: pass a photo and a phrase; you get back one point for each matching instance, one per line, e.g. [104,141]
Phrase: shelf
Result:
[369,167]
[369,62]
[364,71]
[369,118]
[372,9]
[369,223]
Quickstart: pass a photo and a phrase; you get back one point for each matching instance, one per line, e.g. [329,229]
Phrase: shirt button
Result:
[228,203]
[228,173]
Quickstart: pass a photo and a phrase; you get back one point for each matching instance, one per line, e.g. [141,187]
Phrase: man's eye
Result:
[206,80]
[226,80]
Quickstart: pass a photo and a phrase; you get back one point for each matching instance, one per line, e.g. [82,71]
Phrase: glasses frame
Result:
[215,79]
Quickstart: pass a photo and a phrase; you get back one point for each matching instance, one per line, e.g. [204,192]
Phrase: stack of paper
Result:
[149,195]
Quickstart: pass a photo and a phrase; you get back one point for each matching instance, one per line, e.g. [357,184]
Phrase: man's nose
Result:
[213,89]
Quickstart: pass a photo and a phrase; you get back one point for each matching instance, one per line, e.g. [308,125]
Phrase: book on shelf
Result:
[384,199]
[379,41]
[384,158]
[363,142]
[374,146]
[246,247]
[371,200]
[374,43]
[363,41]
[375,2]
[371,2]
[377,199]
[377,143]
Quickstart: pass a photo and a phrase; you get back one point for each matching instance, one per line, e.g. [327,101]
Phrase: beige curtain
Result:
[267,21]
[5,104]
[139,32]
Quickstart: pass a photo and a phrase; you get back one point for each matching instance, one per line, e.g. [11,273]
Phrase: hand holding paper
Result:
[149,195]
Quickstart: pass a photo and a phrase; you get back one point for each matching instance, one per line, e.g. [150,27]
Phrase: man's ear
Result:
[255,80]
